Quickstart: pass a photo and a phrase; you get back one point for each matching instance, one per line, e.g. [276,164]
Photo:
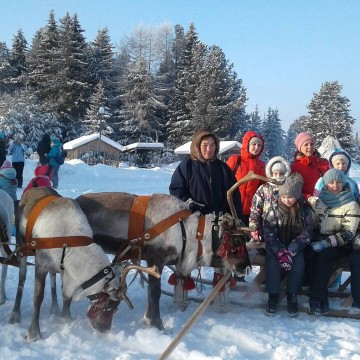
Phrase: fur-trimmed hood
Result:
[195,153]
[245,154]
[339,151]
[275,160]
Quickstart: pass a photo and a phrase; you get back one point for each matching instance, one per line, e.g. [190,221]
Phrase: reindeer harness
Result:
[138,237]
[31,244]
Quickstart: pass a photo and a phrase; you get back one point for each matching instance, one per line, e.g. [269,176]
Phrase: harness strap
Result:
[35,212]
[97,277]
[200,233]
[162,226]
[58,242]
[137,216]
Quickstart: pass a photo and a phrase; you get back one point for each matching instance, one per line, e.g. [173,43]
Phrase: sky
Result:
[282,50]
[244,332]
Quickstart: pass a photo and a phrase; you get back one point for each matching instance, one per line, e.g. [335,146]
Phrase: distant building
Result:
[227,148]
[143,154]
[93,149]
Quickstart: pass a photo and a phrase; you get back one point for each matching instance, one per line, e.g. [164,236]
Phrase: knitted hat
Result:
[302,137]
[255,139]
[6,164]
[292,186]
[334,175]
[340,157]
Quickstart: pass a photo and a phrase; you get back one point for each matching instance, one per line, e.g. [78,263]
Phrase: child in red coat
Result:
[248,160]
[43,175]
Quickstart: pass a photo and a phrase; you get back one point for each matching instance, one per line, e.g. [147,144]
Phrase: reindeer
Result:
[56,230]
[132,227]
[6,224]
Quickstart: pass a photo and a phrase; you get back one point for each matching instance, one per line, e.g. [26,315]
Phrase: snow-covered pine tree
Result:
[220,97]
[181,126]
[74,88]
[6,70]
[330,114]
[273,135]
[44,65]
[255,121]
[289,143]
[140,105]
[19,52]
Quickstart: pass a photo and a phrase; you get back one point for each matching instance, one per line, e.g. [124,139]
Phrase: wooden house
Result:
[93,149]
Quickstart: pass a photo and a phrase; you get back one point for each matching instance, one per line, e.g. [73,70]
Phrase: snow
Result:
[87,138]
[241,333]
[224,146]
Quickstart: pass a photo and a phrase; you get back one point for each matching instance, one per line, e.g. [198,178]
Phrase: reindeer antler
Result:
[121,293]
[249,176]
[153,270]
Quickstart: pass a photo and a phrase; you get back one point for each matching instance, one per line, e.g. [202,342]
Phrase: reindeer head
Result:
[104,305]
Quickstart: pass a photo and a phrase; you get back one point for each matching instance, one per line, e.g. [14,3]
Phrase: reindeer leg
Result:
[34,329]
[55,309]
[66,314]
[15,315]
[152,315]
[3,297]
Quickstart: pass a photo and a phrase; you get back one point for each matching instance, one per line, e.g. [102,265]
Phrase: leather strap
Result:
[35,212]
[58,242]
[162,226]
[200,233]
[137,216]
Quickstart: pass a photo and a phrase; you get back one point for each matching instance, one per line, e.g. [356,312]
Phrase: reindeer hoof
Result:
[15,318]
[32,338]
[158,324]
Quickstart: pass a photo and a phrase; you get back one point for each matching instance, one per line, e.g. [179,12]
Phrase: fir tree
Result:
[330,114]
[273,134]
[19,52]
[220,97]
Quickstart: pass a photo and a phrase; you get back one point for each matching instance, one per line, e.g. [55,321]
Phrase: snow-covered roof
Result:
[224,146]
[87,138]
[142,145]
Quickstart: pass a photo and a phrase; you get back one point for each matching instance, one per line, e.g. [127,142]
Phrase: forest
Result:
[156,85]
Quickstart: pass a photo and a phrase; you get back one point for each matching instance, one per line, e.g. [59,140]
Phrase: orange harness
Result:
[31,244]
[136,234]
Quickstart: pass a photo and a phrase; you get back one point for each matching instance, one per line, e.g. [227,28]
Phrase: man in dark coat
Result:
[43,148]
[202,180]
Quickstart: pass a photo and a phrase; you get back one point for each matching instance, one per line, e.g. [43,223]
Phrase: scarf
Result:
[290,222]
[332,200]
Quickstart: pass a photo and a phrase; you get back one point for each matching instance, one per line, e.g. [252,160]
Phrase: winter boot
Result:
[292,305]
[272,305]
[318,307]
[356,303]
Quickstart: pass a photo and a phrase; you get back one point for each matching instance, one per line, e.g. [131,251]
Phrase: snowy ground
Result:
[241,333]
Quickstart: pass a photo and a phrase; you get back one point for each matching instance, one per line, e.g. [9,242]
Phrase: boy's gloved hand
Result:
[313,200]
